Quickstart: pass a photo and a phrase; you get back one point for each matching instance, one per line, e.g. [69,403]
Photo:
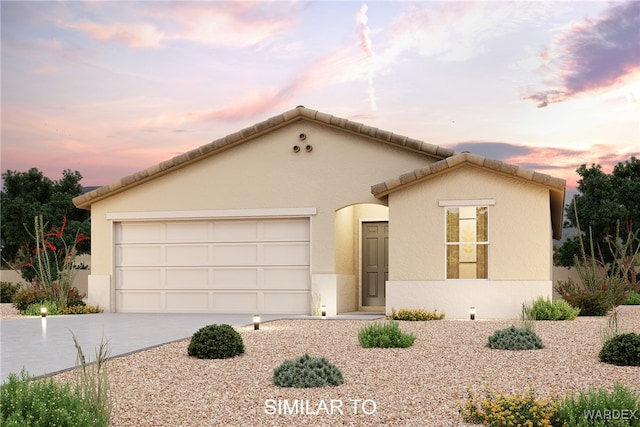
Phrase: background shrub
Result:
[34,309]
[513,338]
[633,298]
[24,297]
[621,350]
[8,290]
[580,410]
[216,342]
[513,410]
[591,302]
[44,403]
[307,371]
[415,314]
[384,336]
[545,309]
[81,309]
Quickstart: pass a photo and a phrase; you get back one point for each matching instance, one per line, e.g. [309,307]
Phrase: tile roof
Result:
[556,186]
[84,201]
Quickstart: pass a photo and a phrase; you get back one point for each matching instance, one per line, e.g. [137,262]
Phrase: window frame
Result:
[456,204]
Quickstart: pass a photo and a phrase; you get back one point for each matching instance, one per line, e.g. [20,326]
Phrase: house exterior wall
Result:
[267,174]
[520,263]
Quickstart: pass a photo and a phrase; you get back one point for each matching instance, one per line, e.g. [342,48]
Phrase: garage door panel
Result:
[194,255]
[187,232]
[238,302]
[286,253]
[131,232]
[235,231]
[185,302]
[139,301]
[143,278]
[138,255]
[235,254]
[286,278]
[286,230]
[286,302]
[193,278]
[238,278]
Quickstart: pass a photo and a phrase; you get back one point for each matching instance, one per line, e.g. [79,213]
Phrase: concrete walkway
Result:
[45,345]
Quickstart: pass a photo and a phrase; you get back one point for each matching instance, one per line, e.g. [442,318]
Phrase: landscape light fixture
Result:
[43,311]
[324,311]
[472,313]
[256,322]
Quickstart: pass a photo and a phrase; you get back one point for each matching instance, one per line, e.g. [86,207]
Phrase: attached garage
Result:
[257,265]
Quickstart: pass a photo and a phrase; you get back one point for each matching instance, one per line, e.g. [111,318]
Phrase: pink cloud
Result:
[135,35]
[592,56]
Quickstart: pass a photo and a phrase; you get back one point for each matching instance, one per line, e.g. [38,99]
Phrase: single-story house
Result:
[307,208]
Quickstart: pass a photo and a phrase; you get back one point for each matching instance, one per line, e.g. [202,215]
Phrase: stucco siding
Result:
[519,226]
[267,173]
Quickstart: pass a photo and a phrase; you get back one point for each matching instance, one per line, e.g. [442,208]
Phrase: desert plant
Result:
[590,302]
[7,291]
[384,335]
[216,342]
[633,298]
[307,371]
[34,309]
[92,379]
[621,350]
[599,407]
[25,401]
[316,305]
[497,409]
[545,309]
[415,314]
[81,309]
[27,296]
[514,338]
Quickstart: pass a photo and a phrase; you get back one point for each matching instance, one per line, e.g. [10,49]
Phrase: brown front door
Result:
[375,262]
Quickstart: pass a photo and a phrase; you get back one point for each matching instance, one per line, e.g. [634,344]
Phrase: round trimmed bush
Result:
[216,342]
[513,338]
[306,372]
[622,350]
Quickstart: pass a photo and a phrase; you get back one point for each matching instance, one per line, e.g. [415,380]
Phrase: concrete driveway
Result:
[45,345]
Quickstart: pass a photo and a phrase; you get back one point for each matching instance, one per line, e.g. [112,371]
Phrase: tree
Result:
[609,206]
[26,195]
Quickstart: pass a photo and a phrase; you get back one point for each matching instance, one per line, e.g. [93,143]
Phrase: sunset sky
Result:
[110,88]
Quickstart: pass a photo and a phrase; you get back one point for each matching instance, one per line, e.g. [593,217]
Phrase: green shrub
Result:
[34,309]
[621,350]
[75,298]
[545,309]
[216,342]
[415,314]
[512,410]
[590,408]
[384,336]
[307,371]
[27,296]
[28,402]
[81,309]
[7,291]
[513,338]
[633,298]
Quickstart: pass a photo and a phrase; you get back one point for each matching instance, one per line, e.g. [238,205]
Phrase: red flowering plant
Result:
[52,261]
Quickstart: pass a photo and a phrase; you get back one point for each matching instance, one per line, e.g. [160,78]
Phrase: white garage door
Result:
[216,266]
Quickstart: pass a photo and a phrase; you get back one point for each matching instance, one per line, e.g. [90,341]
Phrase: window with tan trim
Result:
[467,242]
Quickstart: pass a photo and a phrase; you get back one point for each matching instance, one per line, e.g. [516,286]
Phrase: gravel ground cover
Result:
[418,386]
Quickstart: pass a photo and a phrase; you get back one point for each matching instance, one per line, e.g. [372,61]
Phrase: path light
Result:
[324,311]
[256,322]
[43,311]
[472,313]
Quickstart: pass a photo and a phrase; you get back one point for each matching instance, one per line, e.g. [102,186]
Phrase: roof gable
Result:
[85,201]
[556,186]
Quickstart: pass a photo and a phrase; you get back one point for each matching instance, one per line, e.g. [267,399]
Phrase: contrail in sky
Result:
[365,43]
